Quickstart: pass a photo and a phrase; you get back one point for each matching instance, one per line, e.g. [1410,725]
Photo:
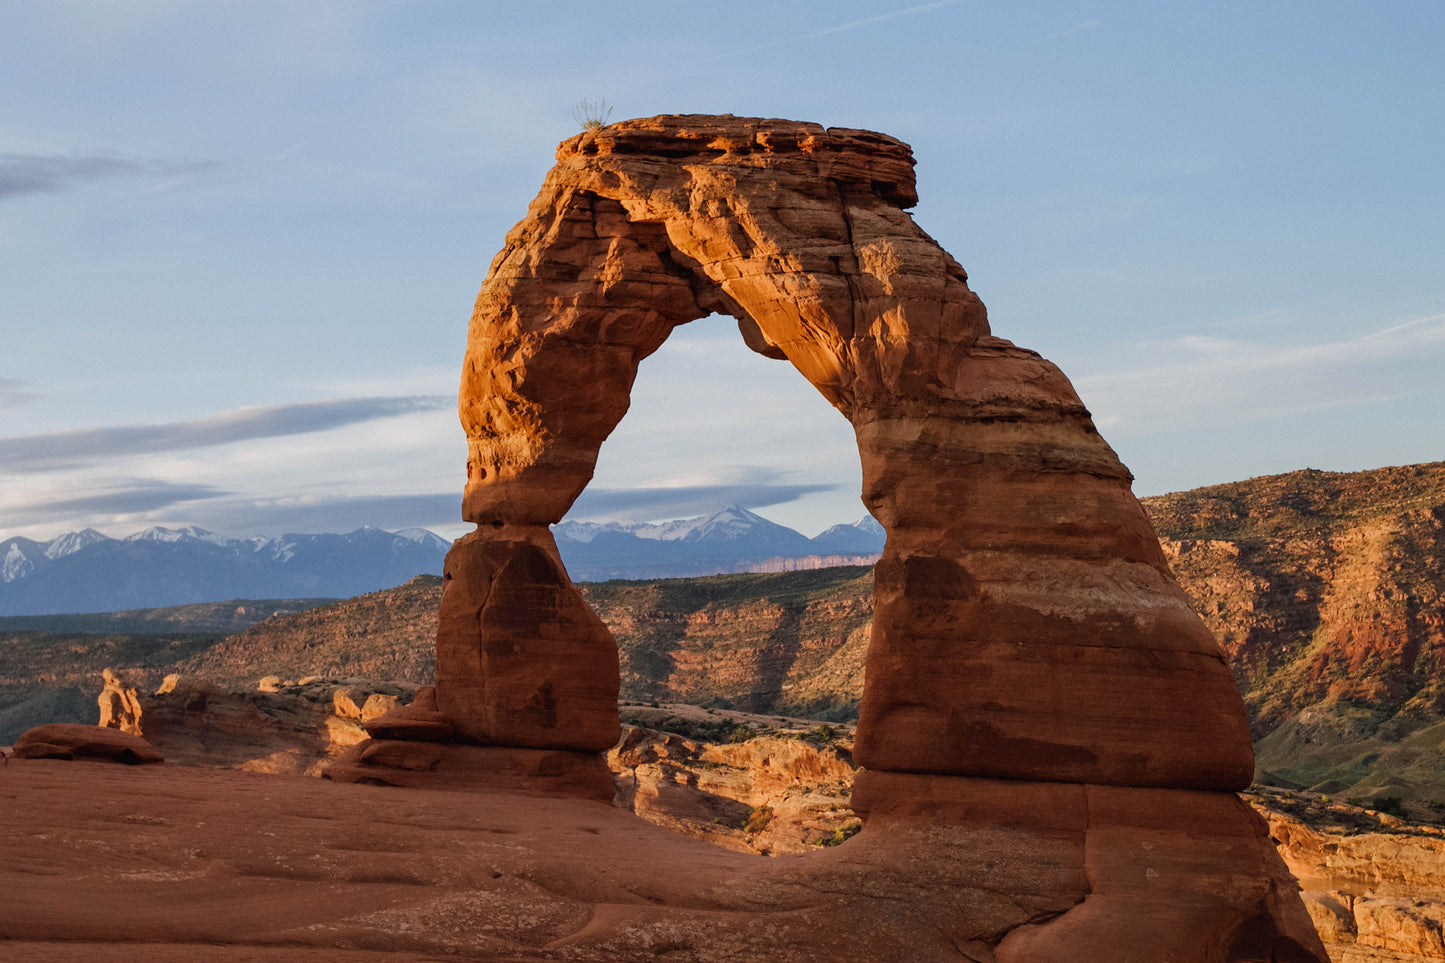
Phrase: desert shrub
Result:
[590,115]
[758,819]
[841,835]
[1391,805]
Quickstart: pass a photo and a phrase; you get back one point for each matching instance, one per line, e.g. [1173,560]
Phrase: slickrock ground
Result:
[782,786]
[1374,883]
[103,862]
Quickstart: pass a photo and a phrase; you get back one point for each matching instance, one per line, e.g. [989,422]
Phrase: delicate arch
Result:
[1026,624]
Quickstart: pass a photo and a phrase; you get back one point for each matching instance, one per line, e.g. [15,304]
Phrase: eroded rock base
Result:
[430,765]
[227,862]
[1157,874]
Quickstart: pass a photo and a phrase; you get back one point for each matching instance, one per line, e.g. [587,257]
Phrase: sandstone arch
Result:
[1050,735]
[1026,623]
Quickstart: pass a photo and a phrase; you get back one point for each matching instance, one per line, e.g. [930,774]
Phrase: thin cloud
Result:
[14,393]
[85,446]
[135,504]
[1080,27]
[49,173]
[838,28]
[651,504]
[880,18]
[271,516]
[125,497]
[1217,381]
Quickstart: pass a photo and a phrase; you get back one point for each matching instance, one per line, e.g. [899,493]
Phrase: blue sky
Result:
[240,241]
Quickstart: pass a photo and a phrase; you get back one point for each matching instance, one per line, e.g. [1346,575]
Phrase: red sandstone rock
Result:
[1026,622]
[1375,896]
[119,704]
[68,740]
[183,863]
[769,794]
[420,721]
[1026,625]
[521,659]
[545,772]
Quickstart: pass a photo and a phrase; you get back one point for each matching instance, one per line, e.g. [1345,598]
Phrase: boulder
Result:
[68,740]
[419,721]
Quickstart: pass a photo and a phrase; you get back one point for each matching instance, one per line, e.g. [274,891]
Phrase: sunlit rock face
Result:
[1037,689]
[1027,625]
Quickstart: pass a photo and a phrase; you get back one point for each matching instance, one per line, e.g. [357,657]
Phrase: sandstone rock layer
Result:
[1026,623]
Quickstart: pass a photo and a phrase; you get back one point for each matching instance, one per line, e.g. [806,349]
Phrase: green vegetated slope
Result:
[790,642]
[234,615]
[1325,589]
[389,634]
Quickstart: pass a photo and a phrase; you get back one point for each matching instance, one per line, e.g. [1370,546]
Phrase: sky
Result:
[240,241]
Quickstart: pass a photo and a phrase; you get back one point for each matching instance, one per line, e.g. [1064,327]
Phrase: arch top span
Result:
[798,231]
[1026,625]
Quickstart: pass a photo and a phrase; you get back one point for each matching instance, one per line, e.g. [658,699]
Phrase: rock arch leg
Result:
[579,298]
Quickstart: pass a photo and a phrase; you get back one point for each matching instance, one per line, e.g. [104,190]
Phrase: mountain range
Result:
[731,540]
[87,571]
[90,572]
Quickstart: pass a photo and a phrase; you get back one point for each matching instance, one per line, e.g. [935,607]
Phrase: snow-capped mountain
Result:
[730,523]
[90,572]
[159,534]
[865,535]
[71,542]
[731,540]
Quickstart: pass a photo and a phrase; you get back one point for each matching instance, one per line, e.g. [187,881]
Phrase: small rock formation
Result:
[69,740]
[283,726]
[1035,675]
[119,705]
[405,748]
[418,721]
